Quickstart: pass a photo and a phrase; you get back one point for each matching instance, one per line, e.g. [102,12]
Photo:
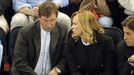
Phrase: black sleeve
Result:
[72,65]
[109,56]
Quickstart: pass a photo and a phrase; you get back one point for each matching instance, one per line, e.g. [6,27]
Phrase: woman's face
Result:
[128,36]
[76,28]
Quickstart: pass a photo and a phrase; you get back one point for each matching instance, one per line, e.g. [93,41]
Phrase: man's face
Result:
[48,23]
[128,36]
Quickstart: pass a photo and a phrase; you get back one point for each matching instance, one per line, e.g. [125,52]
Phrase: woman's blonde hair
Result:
[89,26]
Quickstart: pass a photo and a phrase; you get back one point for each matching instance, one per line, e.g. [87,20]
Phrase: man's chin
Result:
[48,30]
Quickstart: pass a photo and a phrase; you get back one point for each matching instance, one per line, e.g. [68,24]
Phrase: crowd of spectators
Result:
[16,14]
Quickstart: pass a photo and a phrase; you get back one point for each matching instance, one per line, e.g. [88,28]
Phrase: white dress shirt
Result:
[43,64]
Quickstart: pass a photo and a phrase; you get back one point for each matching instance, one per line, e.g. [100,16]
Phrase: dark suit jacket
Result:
[123,53]
[96,59]
[27,49]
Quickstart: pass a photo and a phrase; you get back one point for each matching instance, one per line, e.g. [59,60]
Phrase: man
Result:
[40,47]
[125,49]
[27,13]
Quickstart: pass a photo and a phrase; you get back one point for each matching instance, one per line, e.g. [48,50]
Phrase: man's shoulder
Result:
[61,26]
[29,29]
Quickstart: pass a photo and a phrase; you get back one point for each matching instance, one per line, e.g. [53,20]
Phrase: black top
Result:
[94,59]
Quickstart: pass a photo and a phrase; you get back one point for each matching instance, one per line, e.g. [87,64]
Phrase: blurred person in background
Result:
[42,51]
[100,10]
[27,12]
[125,49]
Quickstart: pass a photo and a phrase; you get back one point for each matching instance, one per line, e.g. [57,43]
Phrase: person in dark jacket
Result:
[90,52]
[40,47]
[125,49]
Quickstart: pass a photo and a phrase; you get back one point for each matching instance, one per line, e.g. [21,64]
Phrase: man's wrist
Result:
[57,70]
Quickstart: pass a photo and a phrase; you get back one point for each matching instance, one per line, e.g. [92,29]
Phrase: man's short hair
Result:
[47,9]
[128,22]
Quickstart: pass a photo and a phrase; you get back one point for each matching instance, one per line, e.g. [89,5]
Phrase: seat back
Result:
[115,33]
[12,39]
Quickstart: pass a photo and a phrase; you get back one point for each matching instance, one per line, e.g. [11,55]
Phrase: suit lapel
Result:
[54,39]
[37,40]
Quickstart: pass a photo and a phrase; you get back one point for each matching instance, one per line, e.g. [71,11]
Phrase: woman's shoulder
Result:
[103,37]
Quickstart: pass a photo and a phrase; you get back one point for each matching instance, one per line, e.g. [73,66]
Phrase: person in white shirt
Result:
[26,12]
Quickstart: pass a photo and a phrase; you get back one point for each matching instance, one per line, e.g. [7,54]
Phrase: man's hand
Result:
[53,72]
[131,58]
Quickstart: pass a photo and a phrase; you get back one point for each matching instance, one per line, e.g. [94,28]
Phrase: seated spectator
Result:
[100,10]
[26,12]
[90,52]
[40,47]
[125,49]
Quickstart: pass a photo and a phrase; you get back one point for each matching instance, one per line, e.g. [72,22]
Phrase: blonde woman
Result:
[90,52]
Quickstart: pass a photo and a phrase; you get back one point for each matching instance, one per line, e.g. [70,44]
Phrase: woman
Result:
[90,52]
